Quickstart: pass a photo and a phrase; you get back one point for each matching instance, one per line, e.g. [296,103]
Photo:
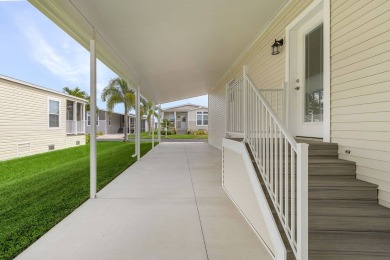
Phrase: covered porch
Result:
[168,205]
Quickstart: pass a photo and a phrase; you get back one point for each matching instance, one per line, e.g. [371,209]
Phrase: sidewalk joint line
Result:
[196,202]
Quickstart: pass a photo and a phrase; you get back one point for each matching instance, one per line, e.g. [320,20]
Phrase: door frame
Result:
[325,6]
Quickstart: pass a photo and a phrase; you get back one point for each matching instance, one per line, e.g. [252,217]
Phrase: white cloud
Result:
[67,60]
[61,55]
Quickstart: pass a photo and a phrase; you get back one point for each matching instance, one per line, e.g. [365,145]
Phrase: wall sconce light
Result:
[276,45]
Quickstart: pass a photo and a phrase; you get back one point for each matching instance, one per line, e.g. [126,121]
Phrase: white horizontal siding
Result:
[360,88]
[24,119]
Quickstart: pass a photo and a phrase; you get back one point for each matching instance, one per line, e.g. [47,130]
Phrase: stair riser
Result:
[359,243]
[323,153]
[332,170]
[342,194]
[341,223]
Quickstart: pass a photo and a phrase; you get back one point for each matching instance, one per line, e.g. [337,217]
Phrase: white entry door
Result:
[307,83]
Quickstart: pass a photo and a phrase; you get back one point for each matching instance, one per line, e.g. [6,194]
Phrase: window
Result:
[89,118]
[109,120]
[54,113]
[171,117]
[202,118]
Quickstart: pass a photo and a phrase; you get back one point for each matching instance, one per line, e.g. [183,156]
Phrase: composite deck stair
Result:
[345,220]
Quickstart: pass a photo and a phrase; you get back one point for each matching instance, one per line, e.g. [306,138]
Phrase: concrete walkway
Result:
[169,205]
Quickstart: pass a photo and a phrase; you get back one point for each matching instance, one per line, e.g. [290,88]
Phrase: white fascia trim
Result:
[26,84]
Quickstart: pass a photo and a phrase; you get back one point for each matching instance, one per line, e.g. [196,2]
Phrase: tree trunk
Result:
[125,138]
[148,123]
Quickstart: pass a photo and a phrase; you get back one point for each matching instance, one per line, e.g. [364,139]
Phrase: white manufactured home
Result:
[187,117]
[298,121]
[35,119]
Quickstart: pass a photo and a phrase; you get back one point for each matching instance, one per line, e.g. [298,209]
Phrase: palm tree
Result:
[77,92]
[147,109]
[118,92]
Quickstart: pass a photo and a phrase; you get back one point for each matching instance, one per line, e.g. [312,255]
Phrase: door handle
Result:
[297,88]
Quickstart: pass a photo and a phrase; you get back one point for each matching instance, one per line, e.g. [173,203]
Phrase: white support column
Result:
[245,85]
[92,141]
[302,202]
[159,124]
[174,125]
[75,117]
[83,117]
[138,123]
[227,115]
[152,125]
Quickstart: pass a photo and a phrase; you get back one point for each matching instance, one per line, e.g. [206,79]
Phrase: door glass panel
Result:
[314,71]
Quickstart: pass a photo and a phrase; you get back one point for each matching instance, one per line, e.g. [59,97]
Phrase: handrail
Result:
[290,138]
[282,162]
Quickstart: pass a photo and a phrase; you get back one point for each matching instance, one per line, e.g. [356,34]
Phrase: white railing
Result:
[75,127]
[235,105]
[283,164]
[276,98]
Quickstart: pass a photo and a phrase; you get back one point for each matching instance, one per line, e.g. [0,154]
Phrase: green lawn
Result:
[37,192]
[184,136]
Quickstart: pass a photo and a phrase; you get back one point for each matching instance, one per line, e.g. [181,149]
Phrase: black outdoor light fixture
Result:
[276,45]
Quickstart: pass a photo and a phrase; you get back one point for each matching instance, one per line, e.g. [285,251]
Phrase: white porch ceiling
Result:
[176,48]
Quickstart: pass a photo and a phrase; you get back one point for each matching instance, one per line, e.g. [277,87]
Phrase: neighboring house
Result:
[35,119]
[187,117]
[112,123]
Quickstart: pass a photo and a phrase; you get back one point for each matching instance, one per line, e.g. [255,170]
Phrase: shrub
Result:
[200,132]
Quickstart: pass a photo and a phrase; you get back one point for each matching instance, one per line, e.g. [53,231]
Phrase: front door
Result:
[184,120]
[307,83]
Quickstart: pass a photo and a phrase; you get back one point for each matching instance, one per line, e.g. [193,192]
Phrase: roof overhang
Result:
[175,49]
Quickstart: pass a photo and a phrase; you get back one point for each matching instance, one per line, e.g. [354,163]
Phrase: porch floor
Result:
[169,205]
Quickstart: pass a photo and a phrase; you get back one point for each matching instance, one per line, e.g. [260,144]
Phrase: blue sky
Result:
[34,49]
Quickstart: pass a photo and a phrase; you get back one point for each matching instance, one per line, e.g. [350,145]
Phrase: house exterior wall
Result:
[24,121]
[192,119]
[360,83]
[115,123]
[360,88]
[101,127]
